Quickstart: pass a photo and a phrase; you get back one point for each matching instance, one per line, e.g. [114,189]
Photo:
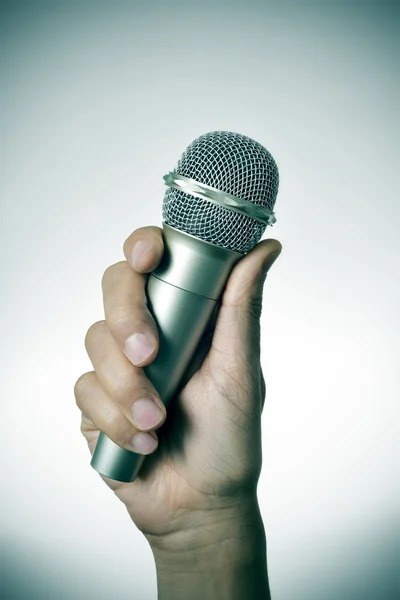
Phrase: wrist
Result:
[222,554]
[204,530]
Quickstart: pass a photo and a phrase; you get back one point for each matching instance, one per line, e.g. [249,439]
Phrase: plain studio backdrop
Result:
[98,100]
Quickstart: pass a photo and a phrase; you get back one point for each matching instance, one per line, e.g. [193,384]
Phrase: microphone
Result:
[219,201]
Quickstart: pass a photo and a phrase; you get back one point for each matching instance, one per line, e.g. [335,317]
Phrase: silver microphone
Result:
[219,201]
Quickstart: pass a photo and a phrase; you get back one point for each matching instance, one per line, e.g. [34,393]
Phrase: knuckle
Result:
[120,430]
[113,272]
[93,332]
[120,318]
[87,426]
[125,390]
[83,386]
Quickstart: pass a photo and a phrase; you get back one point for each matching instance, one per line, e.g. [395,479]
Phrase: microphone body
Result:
[182,294]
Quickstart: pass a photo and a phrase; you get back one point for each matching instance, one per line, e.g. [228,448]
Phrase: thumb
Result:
[243,290]
[236,339]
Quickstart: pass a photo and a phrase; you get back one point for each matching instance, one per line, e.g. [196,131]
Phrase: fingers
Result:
[97,406]
[126,385]
[117,397]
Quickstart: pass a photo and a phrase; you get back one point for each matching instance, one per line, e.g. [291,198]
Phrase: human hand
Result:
[209,454]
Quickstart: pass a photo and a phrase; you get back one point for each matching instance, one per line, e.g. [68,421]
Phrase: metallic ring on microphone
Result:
[206,192]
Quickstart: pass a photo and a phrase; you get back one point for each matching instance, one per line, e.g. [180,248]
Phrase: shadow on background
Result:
[27,573]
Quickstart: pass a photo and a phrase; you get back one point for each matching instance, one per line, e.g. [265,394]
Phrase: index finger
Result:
[144,248]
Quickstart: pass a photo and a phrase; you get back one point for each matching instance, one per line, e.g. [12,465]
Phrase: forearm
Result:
[224,558]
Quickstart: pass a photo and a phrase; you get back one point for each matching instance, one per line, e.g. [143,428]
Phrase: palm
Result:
[208,447]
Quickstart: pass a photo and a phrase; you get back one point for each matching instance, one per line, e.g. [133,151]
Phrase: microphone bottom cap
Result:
[114,462]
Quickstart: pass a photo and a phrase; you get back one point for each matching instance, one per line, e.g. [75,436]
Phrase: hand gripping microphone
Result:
[219,200]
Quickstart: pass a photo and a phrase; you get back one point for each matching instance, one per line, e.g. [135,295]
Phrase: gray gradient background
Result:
[98,100]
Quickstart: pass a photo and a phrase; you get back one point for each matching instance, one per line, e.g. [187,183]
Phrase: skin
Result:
[203,476]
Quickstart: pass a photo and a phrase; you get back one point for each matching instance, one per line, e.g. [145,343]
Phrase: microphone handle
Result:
[182,294]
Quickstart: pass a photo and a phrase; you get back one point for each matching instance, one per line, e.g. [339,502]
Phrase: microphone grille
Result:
[231,163]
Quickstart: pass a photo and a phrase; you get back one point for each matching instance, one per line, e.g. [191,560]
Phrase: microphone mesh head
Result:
[231,163]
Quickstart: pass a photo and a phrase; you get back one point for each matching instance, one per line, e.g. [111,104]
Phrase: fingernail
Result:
[147,413]
[143,443]
[139,250]
[138,348]
[269,261]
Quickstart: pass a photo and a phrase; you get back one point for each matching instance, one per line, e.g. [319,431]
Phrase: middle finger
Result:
[127,315]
